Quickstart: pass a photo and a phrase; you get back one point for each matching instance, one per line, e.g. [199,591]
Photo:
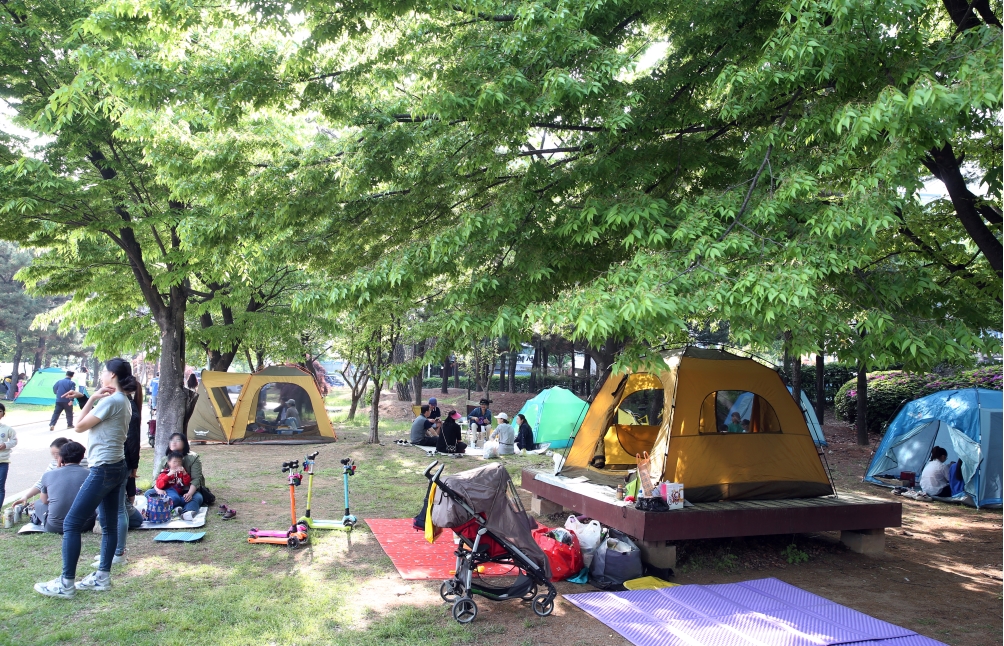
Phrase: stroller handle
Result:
[429,469]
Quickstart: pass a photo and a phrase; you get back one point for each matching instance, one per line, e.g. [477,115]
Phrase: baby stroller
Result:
[482,508]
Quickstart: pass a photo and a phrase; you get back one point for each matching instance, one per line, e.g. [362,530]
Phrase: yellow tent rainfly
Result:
[274,404]
[723,425]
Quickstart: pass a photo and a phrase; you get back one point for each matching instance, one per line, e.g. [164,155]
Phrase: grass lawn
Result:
[341,589]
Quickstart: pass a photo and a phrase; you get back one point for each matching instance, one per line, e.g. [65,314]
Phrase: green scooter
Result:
[348,521]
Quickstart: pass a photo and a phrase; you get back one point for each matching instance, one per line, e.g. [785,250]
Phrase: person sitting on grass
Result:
[36,488]
[505,434]
[174,481]
[934,477]
[59,488]
[524,437]
[449,440]
[424,432]
[193,467]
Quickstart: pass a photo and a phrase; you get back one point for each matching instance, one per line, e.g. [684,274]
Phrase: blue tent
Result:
[966,423]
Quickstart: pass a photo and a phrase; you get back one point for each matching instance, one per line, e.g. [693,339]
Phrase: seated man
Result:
[434,412]
[59,489]
[481,417]
[53,464]
[424,432]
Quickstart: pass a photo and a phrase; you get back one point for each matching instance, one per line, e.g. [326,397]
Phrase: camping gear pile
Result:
[966,423]
[484,511]
[562,550]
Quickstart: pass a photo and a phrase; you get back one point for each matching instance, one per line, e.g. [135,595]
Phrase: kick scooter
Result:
[348,521]
[296,535]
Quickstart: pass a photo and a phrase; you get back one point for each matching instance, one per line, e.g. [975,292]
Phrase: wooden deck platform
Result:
[848,513]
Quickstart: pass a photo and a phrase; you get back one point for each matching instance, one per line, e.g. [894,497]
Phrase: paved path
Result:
[31,455]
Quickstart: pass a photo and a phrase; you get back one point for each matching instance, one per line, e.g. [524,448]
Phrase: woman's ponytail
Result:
[123,372]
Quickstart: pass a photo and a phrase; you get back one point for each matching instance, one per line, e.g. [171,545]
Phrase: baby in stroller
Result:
[482,507]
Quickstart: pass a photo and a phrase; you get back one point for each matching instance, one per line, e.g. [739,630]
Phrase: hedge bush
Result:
[522,383]
[835,375]
[888,390]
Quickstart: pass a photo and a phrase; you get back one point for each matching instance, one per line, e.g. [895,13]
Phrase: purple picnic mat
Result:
[763,612]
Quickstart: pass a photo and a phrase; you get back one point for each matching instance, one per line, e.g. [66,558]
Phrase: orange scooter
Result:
[296,535]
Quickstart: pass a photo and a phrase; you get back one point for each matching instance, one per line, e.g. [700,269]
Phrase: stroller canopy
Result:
[488,490]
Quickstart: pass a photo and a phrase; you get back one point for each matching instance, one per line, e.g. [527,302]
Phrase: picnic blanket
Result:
[415,558]
[31,528]
[174,523]
[182,537]
[762,612]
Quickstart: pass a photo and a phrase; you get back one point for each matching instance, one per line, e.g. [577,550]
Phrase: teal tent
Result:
[38,390]
[554,415]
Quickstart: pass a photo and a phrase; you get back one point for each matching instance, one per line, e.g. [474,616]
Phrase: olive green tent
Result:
[554,415]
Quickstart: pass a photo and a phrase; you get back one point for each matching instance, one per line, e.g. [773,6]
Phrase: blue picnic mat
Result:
[182,537]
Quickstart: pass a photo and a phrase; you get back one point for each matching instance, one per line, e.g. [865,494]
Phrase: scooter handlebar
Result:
[313,455]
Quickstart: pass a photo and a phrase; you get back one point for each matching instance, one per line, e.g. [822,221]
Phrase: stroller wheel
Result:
[543,605]
[465,610]
[448,591]
[530,594]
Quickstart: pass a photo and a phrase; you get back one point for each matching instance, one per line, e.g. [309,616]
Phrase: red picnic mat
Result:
[416,559]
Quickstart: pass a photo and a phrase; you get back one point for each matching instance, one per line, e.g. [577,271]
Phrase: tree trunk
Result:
[171,398]
[604,358]
[796,380]
[534,367]
[503,373]
[18,351]
[456,374]
[95,371]
[374,437]
[445,388]
[39,353]
[513,358]
[587,369]
[416,383]
[820,386]
[861,420]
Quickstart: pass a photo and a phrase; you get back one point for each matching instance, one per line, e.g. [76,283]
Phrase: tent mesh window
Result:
[737,411]
[273,406]
[225,397]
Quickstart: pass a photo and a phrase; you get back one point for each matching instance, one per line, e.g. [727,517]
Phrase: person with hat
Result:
[289,416]
[505,434]
[449,439]
[481,417]
[424,432]
[434,412]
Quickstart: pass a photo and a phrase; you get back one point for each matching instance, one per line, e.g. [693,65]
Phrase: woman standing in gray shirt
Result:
[106,418]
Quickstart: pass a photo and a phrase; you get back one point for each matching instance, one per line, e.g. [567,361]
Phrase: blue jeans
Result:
[178,500]
[102,488]
[4,466]
[123,519]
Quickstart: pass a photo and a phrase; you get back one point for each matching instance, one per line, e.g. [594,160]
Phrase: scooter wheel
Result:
[292,542]
[543,605]
[465,610]
[448,591]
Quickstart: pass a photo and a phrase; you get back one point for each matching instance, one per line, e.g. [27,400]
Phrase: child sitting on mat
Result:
[174,481]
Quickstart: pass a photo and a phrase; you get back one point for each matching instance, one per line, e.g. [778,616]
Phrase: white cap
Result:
[502,416]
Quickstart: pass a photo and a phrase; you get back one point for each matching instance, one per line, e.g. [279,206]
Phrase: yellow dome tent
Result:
[254,414]
[680,416]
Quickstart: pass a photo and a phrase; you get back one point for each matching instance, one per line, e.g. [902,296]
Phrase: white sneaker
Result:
[188,515]
[55,588]
[91,582]
[116,560]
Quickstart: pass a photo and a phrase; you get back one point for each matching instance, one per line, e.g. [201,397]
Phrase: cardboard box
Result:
[672,493]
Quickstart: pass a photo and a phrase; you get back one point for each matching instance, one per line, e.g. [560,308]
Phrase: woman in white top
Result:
[105,418]
[934,477]
[505,434]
